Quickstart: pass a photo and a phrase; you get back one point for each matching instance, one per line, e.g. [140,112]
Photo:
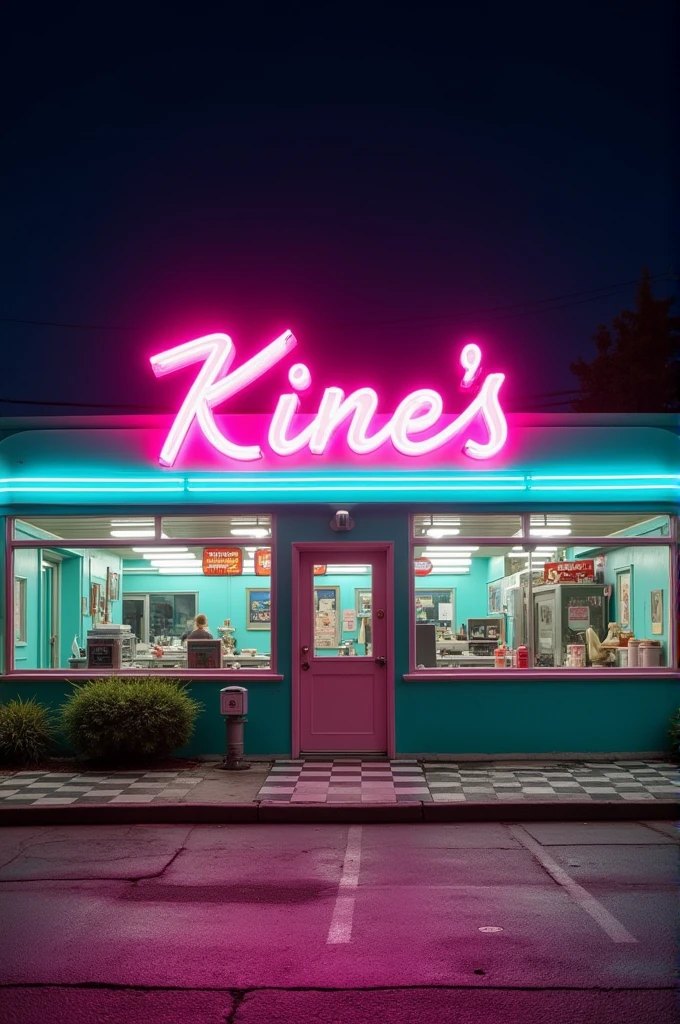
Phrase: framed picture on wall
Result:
[495,596]
[113,579]
[624,597]
[258,609]
[363,602]
[656,611]
[95,591]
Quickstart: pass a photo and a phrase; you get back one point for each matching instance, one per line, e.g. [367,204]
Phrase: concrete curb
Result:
[279,813]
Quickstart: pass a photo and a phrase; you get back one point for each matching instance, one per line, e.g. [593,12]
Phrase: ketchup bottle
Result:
[522,656]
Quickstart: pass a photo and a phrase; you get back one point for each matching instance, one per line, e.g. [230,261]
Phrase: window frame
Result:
[526,541]
[12,544]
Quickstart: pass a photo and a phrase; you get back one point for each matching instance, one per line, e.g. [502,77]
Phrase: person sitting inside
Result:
[201,632]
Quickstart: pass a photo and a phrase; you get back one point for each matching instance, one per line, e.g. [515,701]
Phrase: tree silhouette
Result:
[637,366]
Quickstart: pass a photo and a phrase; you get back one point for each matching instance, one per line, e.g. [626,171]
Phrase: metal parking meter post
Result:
[234,705]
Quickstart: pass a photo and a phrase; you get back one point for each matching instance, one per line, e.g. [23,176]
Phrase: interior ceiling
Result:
[219,528]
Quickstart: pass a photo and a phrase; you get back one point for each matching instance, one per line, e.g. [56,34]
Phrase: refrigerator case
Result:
[562,614]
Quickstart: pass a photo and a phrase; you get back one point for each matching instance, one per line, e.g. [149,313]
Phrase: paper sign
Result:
[578,616]
[349,620]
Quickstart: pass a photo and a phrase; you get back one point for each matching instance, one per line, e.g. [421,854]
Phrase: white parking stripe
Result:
[607,922]
[341,923]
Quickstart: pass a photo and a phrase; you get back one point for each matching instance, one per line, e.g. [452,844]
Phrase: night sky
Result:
[388,181]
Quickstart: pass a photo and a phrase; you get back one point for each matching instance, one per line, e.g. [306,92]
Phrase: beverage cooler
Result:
[562,614]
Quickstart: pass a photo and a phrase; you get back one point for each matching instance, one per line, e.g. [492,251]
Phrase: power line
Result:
[603,292]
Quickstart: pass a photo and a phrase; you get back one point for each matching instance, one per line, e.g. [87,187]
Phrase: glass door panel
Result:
[342,610]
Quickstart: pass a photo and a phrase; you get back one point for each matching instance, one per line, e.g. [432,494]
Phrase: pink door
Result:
[342,660]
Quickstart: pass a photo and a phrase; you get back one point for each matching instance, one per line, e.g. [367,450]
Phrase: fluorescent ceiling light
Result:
[250,531]
[436,531]
[132,522]
[133,533]
[548,531]
[461,563]
[187,557]
[161,551]
[550,521]
[449,572]
[347,569]
[448,548]
[180,570]
[450,558]
[538,549]
[186,563]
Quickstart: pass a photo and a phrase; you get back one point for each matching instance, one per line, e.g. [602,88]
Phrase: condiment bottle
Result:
[522,656]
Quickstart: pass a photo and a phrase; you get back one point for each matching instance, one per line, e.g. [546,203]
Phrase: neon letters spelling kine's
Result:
[418,413]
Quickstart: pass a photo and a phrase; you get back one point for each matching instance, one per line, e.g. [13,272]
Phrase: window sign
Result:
[263,562]
[222,561]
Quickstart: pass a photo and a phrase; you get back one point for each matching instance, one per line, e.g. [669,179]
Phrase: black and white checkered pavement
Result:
[55,788]
[347,782]
[607,781]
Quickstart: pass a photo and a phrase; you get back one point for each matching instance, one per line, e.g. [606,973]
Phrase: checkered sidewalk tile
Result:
[616,781]
[345,781]
[40,788]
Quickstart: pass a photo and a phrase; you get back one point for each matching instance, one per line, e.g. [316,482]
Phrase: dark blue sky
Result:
[361,175]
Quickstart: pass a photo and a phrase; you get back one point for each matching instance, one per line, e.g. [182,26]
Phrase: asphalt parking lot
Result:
[460,922]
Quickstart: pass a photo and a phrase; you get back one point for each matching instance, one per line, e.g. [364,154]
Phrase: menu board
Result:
[222,561]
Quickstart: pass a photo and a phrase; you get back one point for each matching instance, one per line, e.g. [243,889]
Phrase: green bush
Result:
[674,732]
[26,731]
[129,719]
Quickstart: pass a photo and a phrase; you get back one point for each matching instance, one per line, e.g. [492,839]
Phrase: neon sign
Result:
[418,413]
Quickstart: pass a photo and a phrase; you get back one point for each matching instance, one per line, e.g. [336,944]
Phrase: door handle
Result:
[305,666]
[380,661]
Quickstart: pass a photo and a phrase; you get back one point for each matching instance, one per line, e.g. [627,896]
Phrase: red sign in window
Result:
[569,572]
[222,561]
[319,570]
[263,562]
[422,566]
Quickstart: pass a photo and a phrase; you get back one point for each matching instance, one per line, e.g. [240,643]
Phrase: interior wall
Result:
[650,571]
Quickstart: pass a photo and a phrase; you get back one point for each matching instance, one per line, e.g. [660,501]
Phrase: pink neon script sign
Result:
[419,412]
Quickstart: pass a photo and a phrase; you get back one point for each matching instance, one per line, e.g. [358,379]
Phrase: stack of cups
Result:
[633,653]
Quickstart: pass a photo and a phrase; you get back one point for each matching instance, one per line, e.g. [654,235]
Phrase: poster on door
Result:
[326,616]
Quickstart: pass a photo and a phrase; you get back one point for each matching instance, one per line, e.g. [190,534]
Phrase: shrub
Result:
[26,731]
[674,732]
[126,719]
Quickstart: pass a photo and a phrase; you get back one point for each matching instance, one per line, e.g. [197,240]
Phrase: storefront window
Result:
[542,599]
[130,600]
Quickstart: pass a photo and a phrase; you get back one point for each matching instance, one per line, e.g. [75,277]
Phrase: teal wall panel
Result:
[538,716]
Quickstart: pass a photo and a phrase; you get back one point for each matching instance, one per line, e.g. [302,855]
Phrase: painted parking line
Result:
[607,922]
[343,913]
